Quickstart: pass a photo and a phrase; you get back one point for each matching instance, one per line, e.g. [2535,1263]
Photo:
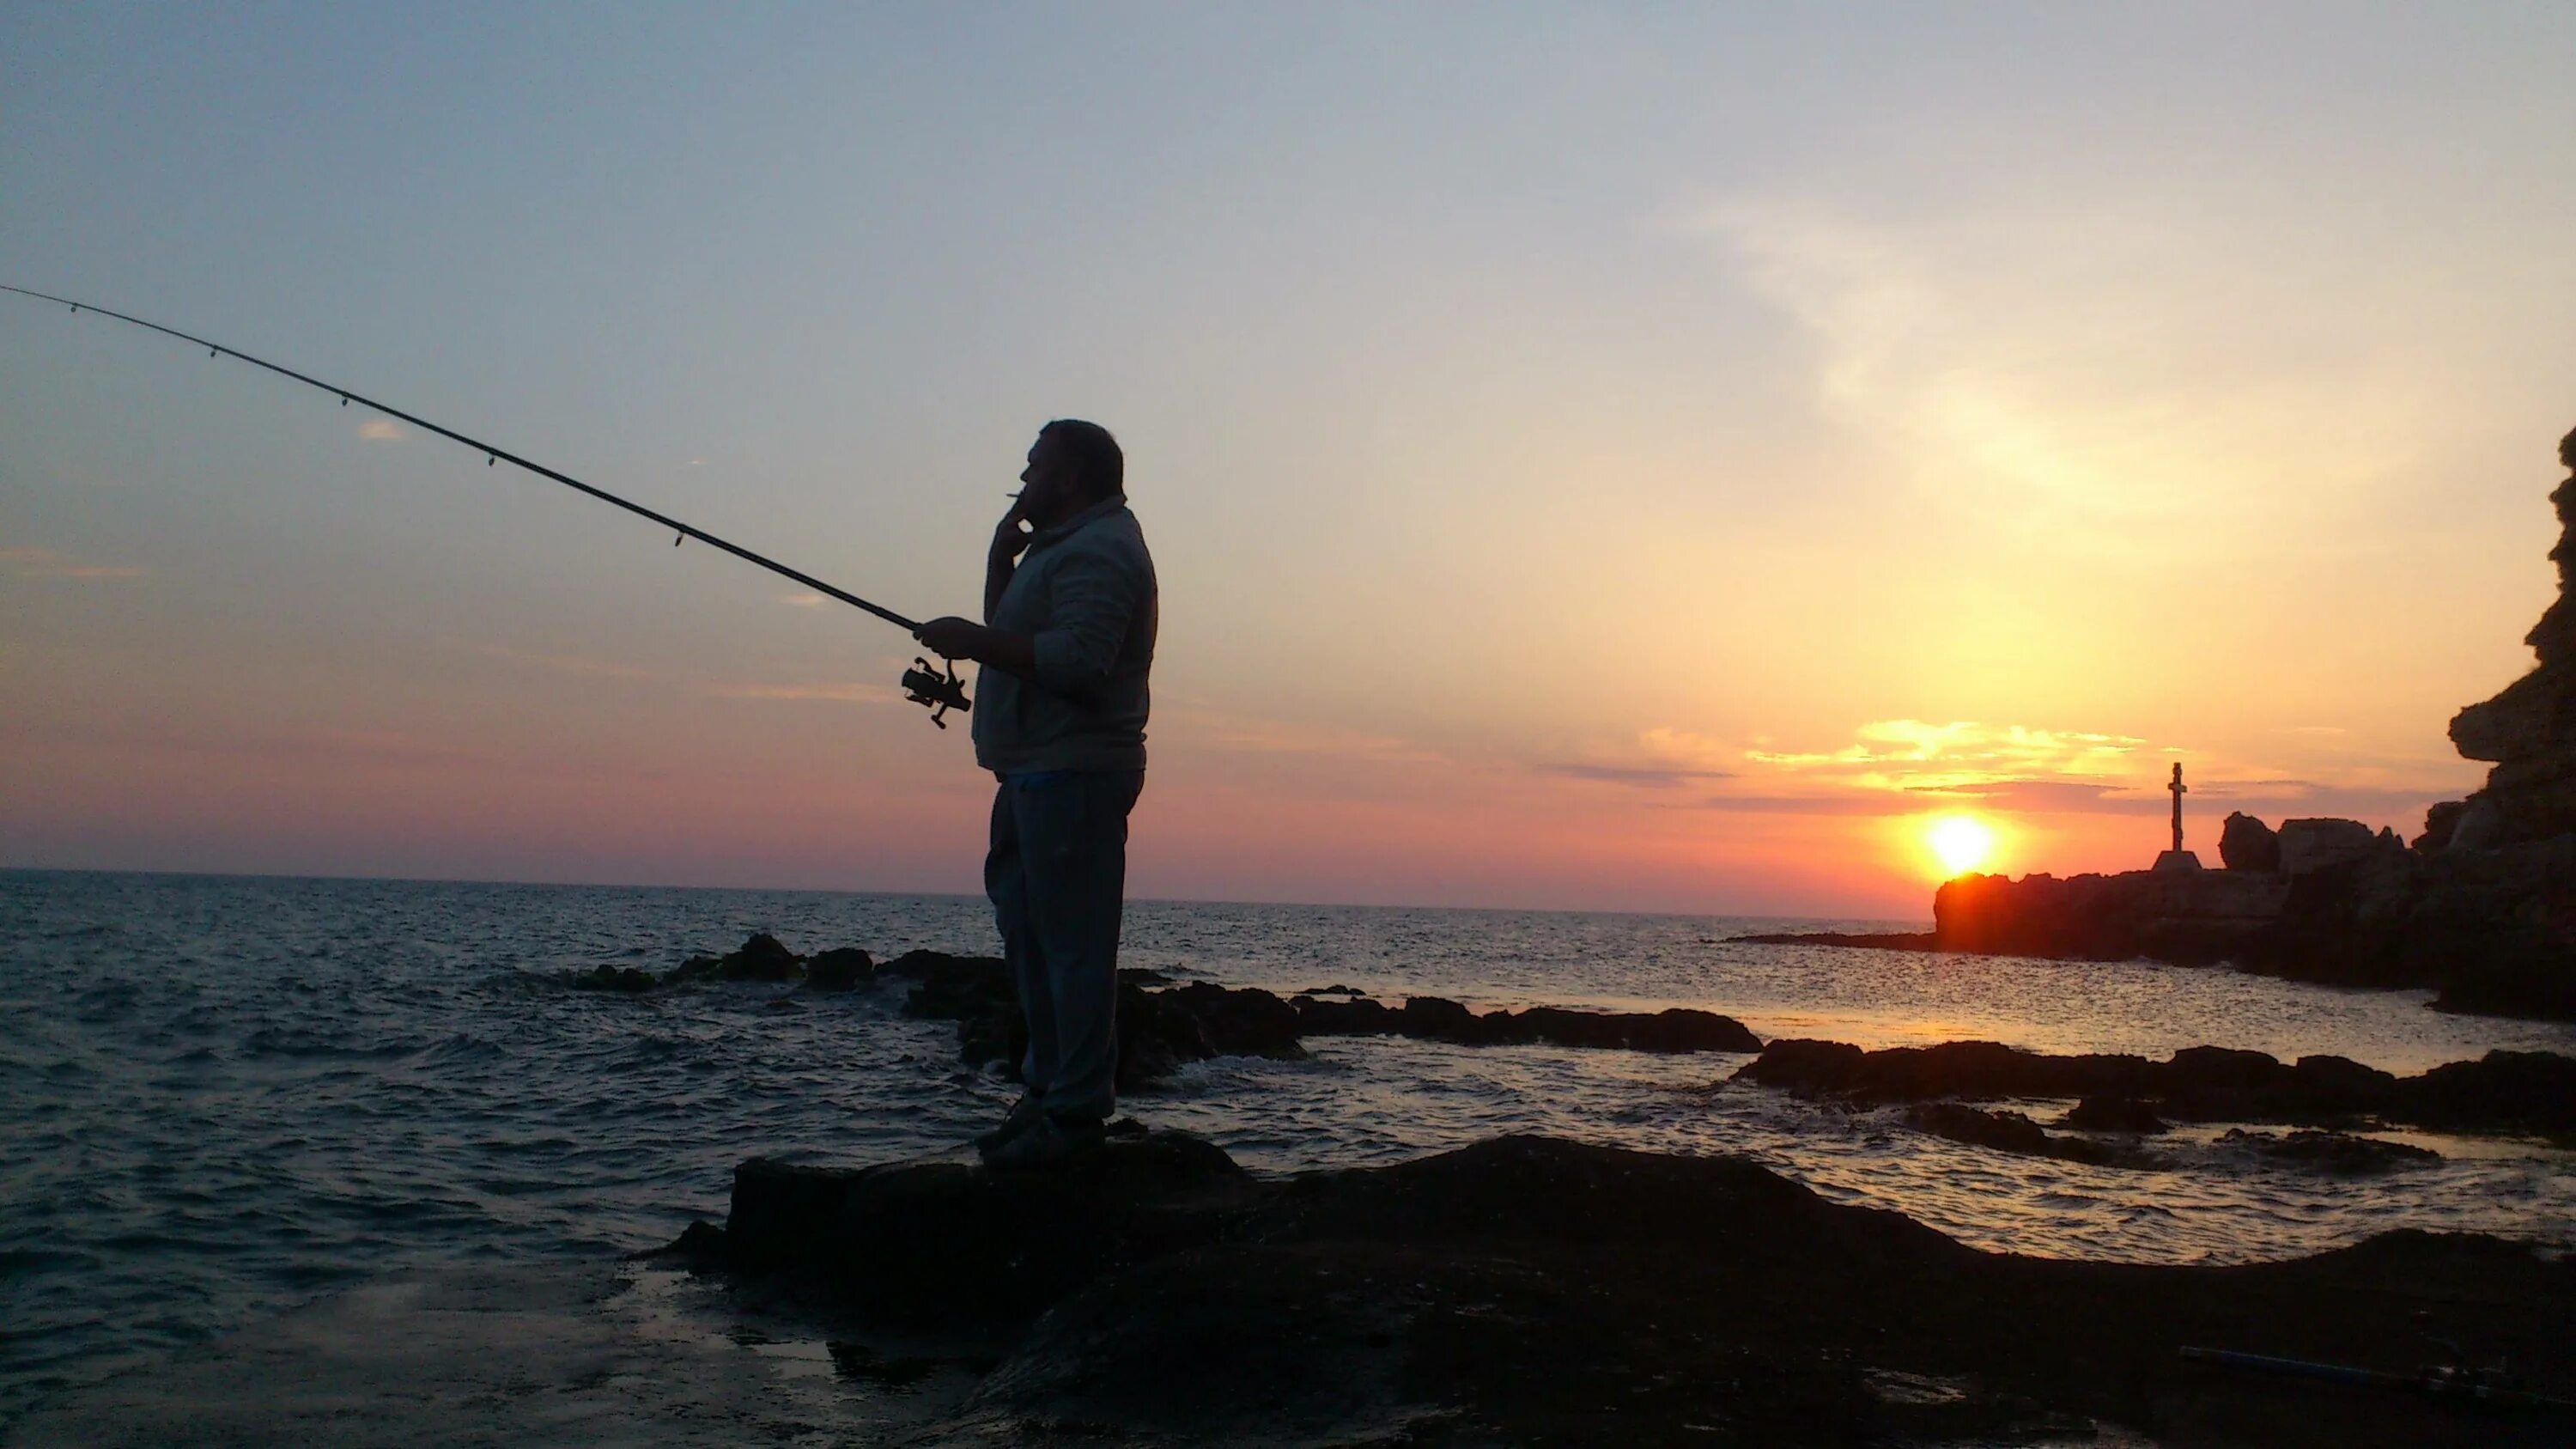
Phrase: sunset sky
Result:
[1629,457]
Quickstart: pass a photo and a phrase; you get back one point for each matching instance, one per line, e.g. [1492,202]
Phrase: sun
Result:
[1960,842]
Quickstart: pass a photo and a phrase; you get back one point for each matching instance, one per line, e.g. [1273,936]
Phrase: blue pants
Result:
[1057,875]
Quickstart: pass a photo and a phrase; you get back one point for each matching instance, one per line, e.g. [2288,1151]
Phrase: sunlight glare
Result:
[1960,842]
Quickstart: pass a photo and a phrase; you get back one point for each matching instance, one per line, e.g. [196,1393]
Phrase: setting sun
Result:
[1960,842]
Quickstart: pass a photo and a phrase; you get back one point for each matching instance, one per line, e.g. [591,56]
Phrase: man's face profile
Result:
[1047,483]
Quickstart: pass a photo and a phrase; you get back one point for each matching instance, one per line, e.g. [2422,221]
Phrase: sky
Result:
[1596,457]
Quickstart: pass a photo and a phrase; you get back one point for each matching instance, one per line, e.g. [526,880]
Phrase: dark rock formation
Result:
[2528,732]
[1162,1030]
[2245,843]
[2310,846]
[2192,917]
[1867,941]
[2335,1152]
[2441,823]
[2115,1114]
[2502,1092]
[1530,1291]
[839,969]
[628,979]
[760,958]
[2013,1132]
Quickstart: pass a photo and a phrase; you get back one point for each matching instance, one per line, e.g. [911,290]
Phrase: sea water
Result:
[221,1096]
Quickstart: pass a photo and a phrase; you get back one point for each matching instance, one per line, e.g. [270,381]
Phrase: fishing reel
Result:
[937,692]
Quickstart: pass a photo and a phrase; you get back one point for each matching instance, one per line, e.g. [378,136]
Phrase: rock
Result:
[2336,1152]
[1534,1291]
[2190,916]
[2003,1131]
[2532,1092]
[2528,730]
[2114,1114]
[2245,843]
[604,977]
[2508,1091]
[2013,1132]
[839,969]
[1866,941]
[2309,846]
[2440,822]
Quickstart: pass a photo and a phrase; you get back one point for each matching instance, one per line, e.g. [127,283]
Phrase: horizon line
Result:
[252,875]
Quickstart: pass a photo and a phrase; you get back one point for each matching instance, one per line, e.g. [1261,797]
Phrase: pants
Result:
[1057,875]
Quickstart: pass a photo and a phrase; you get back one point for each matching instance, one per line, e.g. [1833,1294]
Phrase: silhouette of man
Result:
[1060,702]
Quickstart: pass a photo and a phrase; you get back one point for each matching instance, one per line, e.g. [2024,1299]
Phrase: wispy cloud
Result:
[1897,754]
[2093,365]
[381,430]
[1658,777]
[1659,758]
[45,563]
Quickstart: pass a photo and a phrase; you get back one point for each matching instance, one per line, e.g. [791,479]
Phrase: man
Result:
[1066,642]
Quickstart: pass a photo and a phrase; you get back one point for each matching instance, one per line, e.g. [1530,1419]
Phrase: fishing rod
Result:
[940,691]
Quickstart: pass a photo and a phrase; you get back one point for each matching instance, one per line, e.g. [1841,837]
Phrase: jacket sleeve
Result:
[1092,599]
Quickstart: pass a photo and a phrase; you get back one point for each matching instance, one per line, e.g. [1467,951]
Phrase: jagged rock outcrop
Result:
[2528,731]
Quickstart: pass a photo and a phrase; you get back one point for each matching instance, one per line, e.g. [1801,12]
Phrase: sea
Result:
[222,1097]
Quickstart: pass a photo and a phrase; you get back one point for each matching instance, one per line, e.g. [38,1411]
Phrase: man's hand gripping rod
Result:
[922,685]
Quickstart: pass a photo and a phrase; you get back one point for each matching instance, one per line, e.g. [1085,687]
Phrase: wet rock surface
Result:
[2013,1132]
[2521,1092]
[2334,1152]
[1529,1290]
[1163,1029]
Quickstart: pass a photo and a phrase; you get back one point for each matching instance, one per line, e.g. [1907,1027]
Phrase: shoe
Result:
[1023,1115]
[1048,1140]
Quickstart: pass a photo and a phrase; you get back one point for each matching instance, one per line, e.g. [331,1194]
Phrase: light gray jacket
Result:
[1085,590]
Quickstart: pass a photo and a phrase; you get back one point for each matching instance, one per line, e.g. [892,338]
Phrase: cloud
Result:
[1658,758]
[2140,376]
[804,601]
[2045,797]
[1652,776]
[381,430]
[44,563]
[1914,754]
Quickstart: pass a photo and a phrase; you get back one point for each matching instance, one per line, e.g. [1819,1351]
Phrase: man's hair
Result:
[1094,453]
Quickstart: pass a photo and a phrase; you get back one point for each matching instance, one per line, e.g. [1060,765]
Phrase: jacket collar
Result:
[1114,503]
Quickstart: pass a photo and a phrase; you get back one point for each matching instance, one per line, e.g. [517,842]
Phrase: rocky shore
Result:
[2480,907]
[1163,1026]
[1535,1291]
[2503,1092]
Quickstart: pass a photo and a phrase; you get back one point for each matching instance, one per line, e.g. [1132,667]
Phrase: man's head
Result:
[1072,466]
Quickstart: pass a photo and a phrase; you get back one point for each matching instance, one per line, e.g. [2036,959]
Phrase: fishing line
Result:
[941,692]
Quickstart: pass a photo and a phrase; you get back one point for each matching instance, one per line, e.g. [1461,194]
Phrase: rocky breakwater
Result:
[1528,1290]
